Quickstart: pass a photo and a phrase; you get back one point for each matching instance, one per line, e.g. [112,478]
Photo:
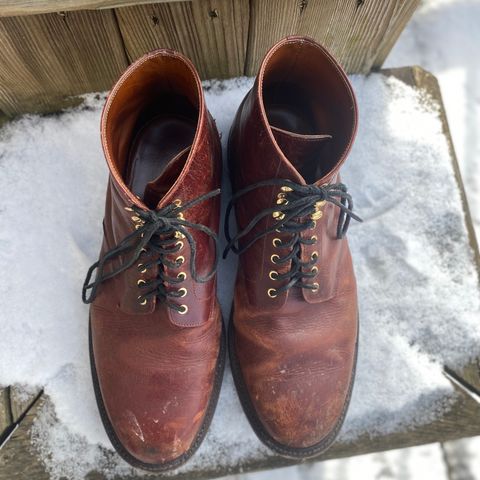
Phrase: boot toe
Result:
[152,439]
[295,415]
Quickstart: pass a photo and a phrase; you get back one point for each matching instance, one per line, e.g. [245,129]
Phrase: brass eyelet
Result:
[180,244]
[177,202]
[278,215]
[180,216]
[179,235]
[314,238]
[180,260]
[135,218]
[276,242]
[273,275]
[286,189]
[182,276]
[137,226]
[315,286]
[272,293]
[140,301]
[143,250]
[184,310]
[129,209]
[141,282]
[314,255]
[282,201]
[314,225]
[183,292]
[314,270]
[274,258]
[141,268]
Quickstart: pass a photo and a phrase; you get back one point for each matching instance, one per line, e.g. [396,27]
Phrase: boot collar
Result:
[116,95]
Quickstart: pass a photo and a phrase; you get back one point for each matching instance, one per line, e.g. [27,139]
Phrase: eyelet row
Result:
[180,260]
[281,200]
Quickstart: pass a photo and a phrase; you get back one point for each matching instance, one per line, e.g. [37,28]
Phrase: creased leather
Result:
[296,351]
[156,367]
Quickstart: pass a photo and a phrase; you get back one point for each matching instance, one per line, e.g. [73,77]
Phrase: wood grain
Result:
[46,59]
[357,32]
[21,401]
[10,8]
[212,33]
[5,410]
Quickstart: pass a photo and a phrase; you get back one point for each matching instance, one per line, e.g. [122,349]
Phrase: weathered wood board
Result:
[10,8]
[212,33]
[19,461]
[51,50]
[47,59]
[357,32]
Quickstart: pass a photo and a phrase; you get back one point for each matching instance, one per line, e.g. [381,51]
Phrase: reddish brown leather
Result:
[296,351]
[156,367]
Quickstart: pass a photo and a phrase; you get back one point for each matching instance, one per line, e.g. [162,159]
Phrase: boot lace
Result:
[297,208]
[154,239]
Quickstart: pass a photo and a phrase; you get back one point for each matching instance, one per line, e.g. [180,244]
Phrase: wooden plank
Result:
[212,33]
[17,458]
[21,401]
[401,15]
[357,32]
[5,410]
[46,59]
[11,8]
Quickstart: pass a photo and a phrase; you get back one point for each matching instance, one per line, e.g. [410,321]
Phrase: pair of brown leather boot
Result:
[156,332]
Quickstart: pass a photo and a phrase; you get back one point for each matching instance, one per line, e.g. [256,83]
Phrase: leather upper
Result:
[296,351]
[155,366]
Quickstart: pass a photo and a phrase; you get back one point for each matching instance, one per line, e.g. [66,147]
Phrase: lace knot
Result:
[155,231]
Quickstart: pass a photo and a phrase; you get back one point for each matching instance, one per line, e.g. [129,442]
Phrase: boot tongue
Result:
[156,189]
[301,149]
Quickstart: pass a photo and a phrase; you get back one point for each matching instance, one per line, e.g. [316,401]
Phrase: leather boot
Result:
[156,341]
[293,332]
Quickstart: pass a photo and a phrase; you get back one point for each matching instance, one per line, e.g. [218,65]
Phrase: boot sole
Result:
[177,462]
[256,424]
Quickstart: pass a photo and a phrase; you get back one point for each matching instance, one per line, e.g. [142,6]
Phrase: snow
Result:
[412,244]
[443,37]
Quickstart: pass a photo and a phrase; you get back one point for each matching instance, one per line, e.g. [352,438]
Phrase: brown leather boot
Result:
[156,342]
[293,333]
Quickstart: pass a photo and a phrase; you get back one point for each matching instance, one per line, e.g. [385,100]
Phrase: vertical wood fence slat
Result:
[213,33]
[402,13]
[44,59]
[356,32]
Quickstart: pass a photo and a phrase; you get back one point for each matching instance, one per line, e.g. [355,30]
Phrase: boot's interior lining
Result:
[152,118]
[303,93]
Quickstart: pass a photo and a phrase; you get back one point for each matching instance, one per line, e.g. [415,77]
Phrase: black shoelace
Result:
[296,205]
[154,238]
